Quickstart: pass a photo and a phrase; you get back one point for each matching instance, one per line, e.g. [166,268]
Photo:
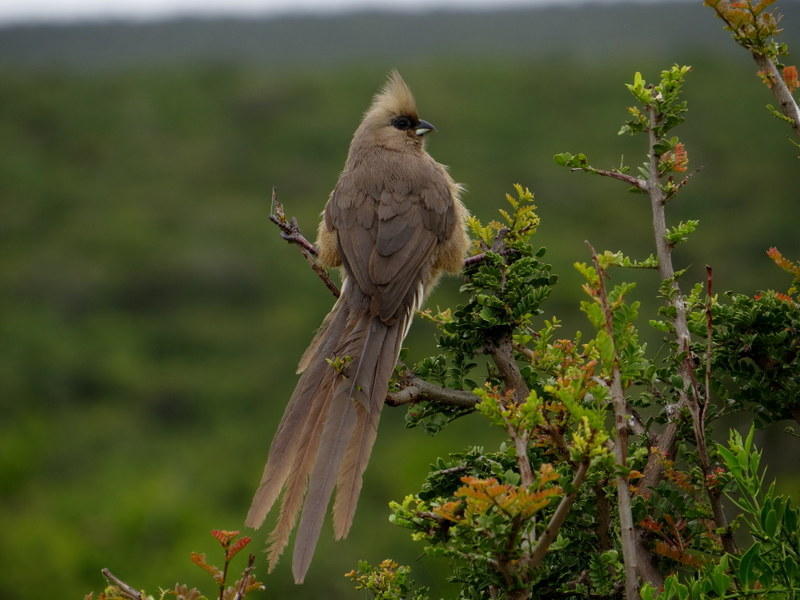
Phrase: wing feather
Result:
[387,236]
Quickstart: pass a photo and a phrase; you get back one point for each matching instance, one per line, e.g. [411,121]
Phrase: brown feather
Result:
[297,483]
[394,221]
[334,439]
[350,478]
[301,405]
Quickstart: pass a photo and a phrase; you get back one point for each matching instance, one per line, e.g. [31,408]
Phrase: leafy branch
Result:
[755,28]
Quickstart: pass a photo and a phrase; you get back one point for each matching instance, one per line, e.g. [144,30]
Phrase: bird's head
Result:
[392,120]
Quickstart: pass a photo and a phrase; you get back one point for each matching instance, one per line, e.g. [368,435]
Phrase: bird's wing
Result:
[387,235]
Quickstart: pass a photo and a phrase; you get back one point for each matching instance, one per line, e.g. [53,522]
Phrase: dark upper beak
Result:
[423,127]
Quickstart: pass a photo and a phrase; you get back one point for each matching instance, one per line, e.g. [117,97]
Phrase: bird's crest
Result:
[395,98]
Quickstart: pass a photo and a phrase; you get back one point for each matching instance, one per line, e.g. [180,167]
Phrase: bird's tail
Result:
[327,432]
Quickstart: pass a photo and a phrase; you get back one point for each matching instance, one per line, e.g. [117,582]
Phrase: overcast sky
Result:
[65,10]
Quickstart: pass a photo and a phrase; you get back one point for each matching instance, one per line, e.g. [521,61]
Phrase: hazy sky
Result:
[61,10]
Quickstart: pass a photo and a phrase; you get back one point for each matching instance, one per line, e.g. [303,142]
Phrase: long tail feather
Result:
[328,430]
[349,396]
[297,482]
[285,444]
[338,429]
[350,477]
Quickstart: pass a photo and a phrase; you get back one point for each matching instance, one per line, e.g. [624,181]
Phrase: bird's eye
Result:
[402,123]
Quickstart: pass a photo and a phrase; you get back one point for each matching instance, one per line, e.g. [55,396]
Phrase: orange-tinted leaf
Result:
[676,554]
[450,510]
[237,546]
[224,536]
[650,524]
[790,77]
[783,262]
[200,561]
[547,474]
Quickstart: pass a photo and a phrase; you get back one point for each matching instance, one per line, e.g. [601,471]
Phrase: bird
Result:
[393,224]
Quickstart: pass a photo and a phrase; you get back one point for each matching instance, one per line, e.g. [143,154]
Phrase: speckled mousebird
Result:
[393,223]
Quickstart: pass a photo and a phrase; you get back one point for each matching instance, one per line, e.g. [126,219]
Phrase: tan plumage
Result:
[394,223]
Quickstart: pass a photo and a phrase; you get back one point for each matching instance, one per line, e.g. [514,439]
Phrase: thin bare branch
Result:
[125,589]
[290,231]
[477,259]
[631,180]
[432,516]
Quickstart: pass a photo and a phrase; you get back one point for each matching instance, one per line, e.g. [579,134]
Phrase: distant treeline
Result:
[590,31]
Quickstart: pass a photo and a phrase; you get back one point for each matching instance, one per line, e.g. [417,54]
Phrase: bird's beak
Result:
[423,127]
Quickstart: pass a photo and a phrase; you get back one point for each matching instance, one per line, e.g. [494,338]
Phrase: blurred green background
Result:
[152,318]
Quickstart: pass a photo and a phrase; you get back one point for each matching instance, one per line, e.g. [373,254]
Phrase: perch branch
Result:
[415,389]
[477,259]
[124,588]
[290,231]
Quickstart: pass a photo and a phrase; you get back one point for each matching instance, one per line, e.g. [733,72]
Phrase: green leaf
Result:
[605,344]
[648,592]
[790,519]
[720,581]
[791,567]
[746,564]
[681,231]
[575,161]
[770,522]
